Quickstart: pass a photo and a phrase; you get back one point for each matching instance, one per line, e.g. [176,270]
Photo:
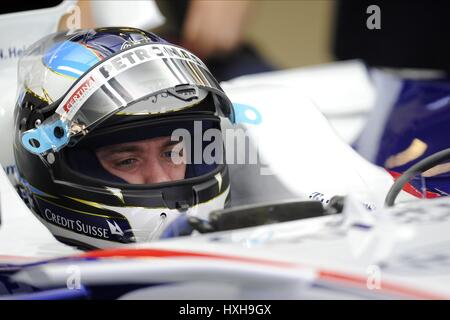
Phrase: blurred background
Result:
[243,37]
[305,25]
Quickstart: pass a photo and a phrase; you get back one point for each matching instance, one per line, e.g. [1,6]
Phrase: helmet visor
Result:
[167,78]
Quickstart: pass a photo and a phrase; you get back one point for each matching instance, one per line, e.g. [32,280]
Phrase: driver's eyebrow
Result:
[169,143]
[120,149]
[107,151]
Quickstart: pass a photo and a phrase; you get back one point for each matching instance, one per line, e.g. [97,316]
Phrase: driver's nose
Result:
[154,172]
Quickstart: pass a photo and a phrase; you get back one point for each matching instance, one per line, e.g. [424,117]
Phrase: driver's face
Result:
[143,162]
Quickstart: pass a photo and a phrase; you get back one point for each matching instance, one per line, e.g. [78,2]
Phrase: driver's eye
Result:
[168,154]
[171,153]
[126,163]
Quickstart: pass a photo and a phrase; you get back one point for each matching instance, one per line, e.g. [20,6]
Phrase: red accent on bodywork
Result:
[325,275]
[156,253]
[384,286]
[411,189]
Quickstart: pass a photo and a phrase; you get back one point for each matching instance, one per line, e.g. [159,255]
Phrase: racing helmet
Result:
[109,136]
